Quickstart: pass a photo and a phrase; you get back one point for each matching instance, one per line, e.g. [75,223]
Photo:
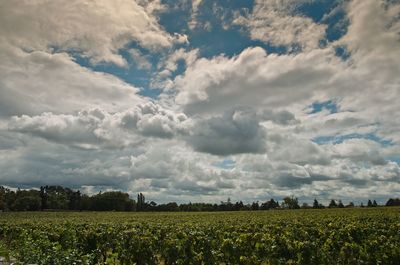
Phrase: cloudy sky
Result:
[200,100]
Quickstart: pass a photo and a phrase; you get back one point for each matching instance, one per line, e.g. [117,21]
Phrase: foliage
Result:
[393,202]
[61,198]
[330,236]
[291,203]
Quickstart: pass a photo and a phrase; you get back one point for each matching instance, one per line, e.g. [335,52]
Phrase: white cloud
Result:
[97,29]
[373,41]
[193,23]
[61,123]
[275,22]
[140,60]
[295,150]
[169,65]
[360,150]
[255,78]
[96,128]
[36,82]
[188,57]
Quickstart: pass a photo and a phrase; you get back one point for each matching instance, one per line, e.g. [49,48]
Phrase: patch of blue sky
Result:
[176,19]
[225,164]
[316,9]
[337,139]
[215,39]
[132,74]
[180,69]
[342,52]
[229,42]
[234,4]
[326,105]
[211,41]
[395,159]
[329,13]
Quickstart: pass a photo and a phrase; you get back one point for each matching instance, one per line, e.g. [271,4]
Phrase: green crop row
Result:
[349,236]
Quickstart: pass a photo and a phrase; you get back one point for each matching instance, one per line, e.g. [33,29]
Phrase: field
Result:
[328,236]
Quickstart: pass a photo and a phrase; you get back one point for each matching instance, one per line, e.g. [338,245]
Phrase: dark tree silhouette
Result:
[332,204]
[393,202]
[290,203]
[61,198]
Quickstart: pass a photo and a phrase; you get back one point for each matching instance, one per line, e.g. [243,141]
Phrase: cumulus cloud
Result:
[373,41]
[282,117]
[153,120]
[255,78]
[243,126]
[295,150]
[36,82]
[233,133]
[96,29]
[97,128]
[360,150]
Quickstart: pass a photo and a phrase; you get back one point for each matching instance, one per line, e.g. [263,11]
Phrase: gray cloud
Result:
[92,129]
[360,151]
[236,126]
[233,133]
[35,82]
[282,117]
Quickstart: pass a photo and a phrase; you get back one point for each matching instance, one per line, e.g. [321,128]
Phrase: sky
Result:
[199,100]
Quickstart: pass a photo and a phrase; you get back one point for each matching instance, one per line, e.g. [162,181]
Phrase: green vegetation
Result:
[61,198]
[329,236]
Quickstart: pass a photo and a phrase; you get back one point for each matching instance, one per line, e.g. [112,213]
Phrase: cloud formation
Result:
[97,30]
[282,111]
[277,23]
[232,133]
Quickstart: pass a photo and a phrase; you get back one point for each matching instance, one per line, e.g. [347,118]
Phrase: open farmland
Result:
[329,236]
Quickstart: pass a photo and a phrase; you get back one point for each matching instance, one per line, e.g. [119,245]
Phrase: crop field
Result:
[328,236]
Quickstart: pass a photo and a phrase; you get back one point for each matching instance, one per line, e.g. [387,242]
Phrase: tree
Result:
[315,204]
[43,197]
[393,202]
[112,201]
[340,204]
[374,204]
[169,207]
[238,206]
[369,204]
[290,203]
[85,203]
[332,204]
[141,202]
[3,198]
[10,197]
[255,206]
[27,203]
[74,199]
[54,197]
[271,204]
[27,200]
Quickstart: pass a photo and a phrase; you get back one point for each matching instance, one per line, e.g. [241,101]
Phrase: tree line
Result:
[58,198]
